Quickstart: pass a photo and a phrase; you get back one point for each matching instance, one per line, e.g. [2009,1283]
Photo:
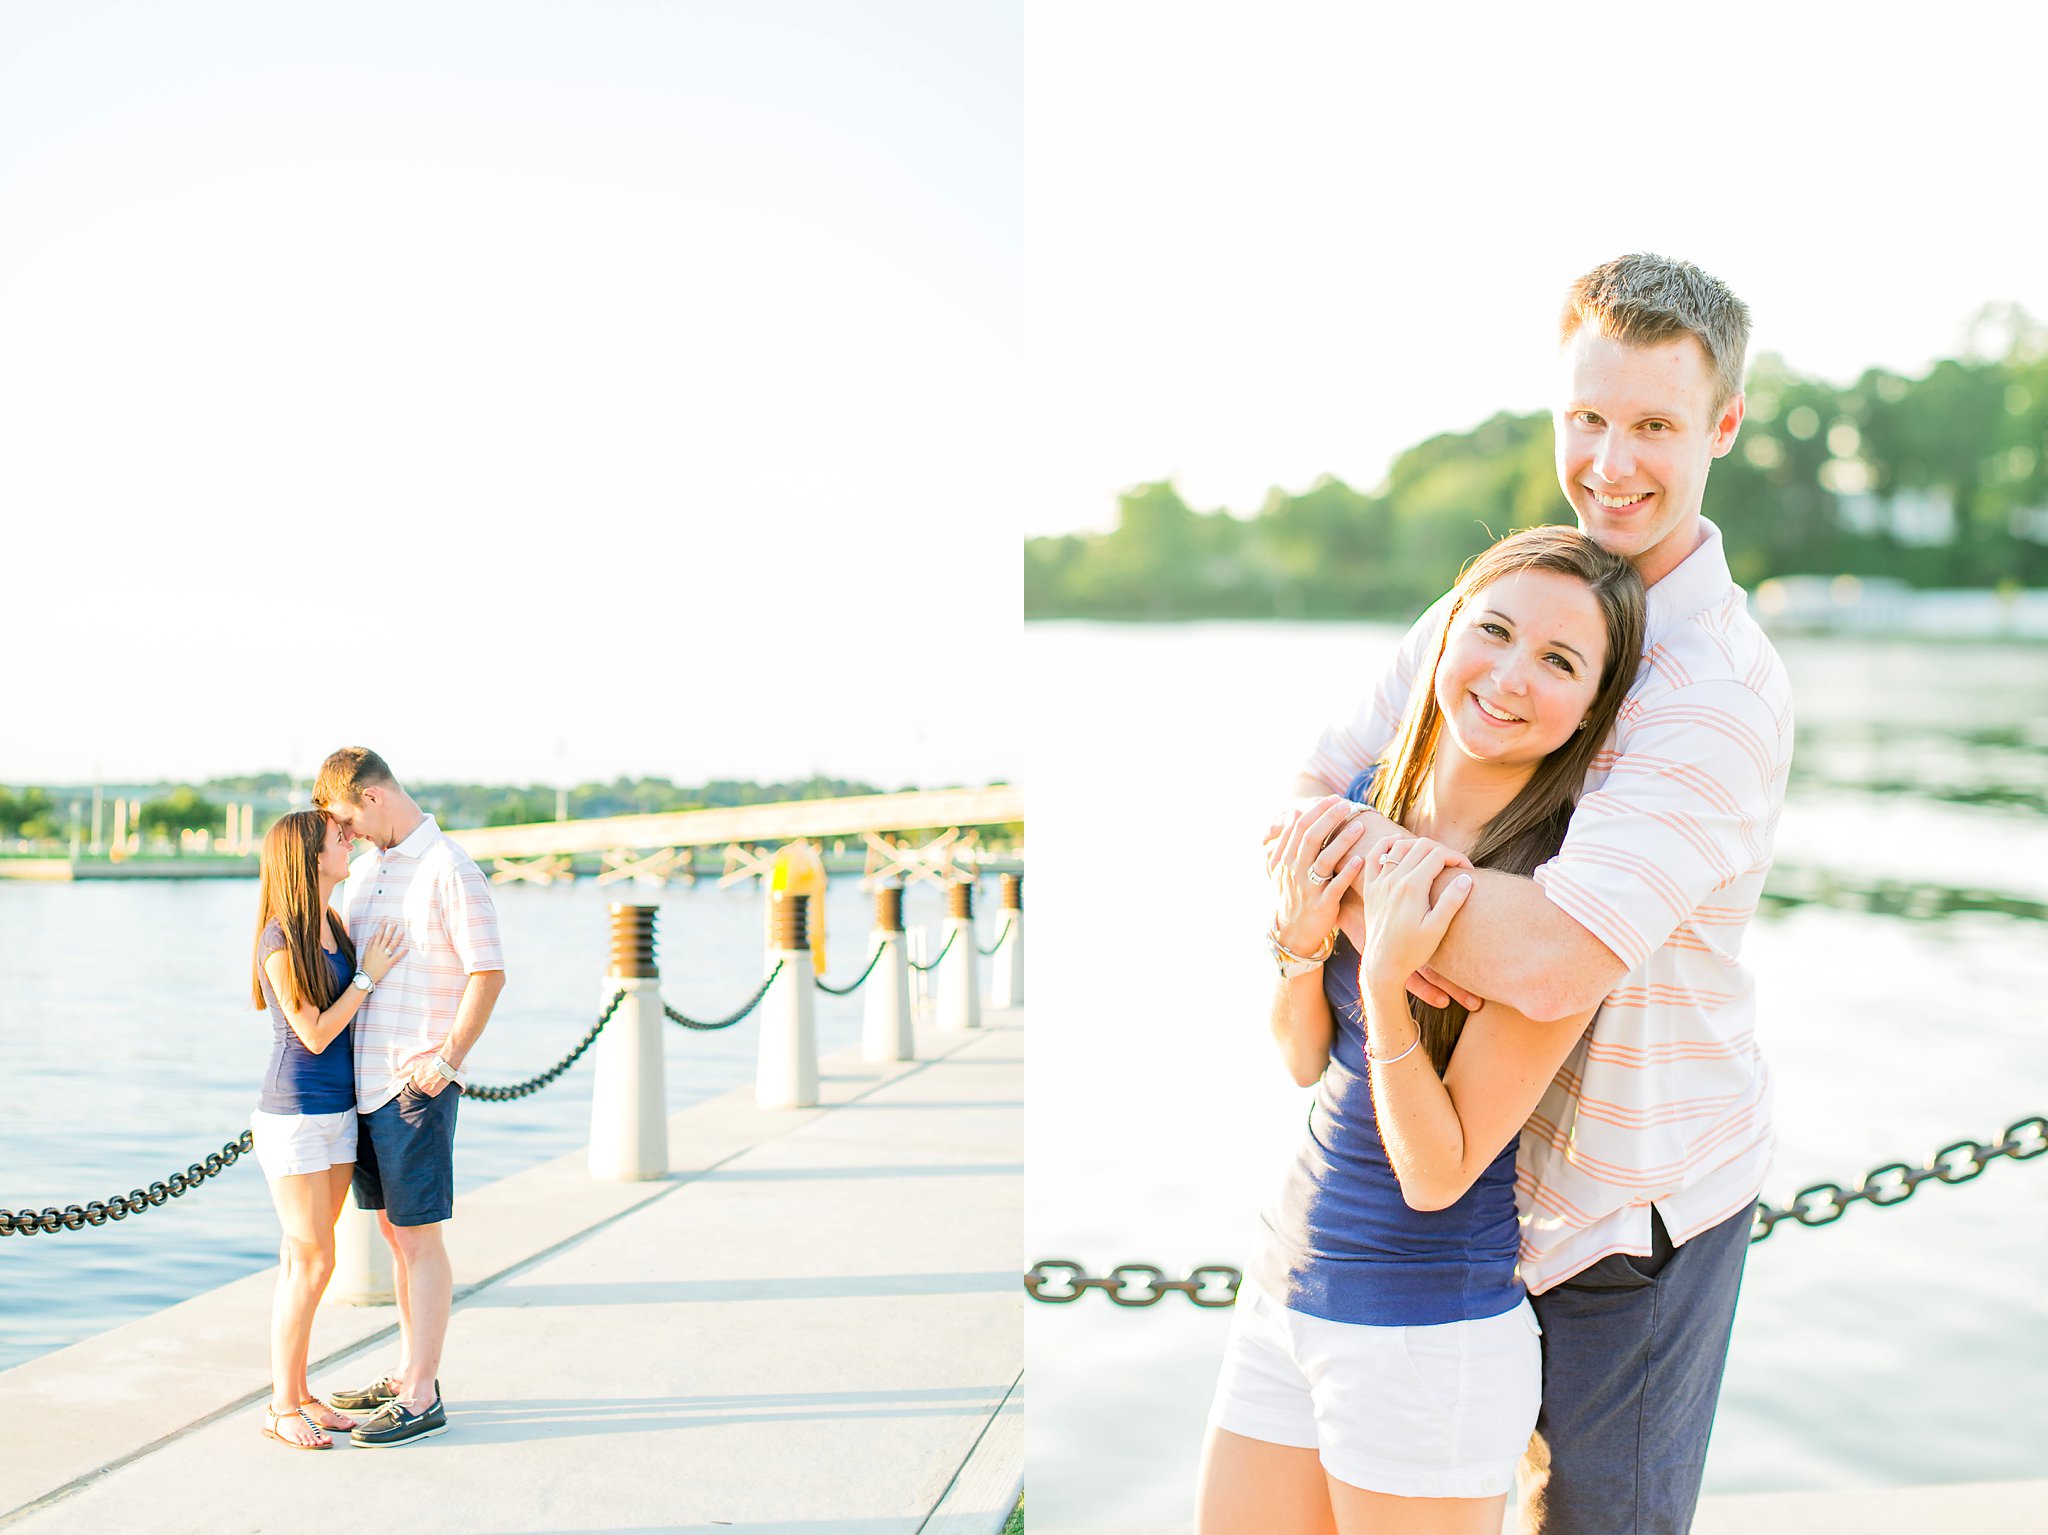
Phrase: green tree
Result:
[183,809]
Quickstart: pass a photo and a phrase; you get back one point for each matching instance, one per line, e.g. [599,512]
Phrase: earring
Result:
[1581,725]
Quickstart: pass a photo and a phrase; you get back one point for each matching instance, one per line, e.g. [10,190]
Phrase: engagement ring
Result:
[1390,857]
[1319,879]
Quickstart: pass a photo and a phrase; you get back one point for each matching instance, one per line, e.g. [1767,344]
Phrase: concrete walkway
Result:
[814,1324]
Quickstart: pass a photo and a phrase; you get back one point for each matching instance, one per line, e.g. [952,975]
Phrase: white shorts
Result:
[1418,1412]
[288,1144]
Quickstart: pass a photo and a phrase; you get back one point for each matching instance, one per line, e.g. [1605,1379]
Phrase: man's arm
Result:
[1688,808]
[479,996]
[1510,941]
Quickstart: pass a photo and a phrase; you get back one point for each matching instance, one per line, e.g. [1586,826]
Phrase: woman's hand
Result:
[1316,863]
[1402,928]
[385,948]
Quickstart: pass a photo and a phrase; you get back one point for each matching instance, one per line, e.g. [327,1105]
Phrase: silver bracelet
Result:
[1388,1060]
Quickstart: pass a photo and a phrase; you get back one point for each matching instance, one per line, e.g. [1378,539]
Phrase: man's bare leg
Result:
[400,1291]
[426,1289]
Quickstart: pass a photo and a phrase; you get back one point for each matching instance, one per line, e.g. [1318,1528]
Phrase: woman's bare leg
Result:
[335,1195]
[1251,1487]
[305,1262]
[1378,1513]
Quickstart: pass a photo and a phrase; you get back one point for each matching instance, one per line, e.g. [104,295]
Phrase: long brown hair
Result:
[291,895]
[1531,826]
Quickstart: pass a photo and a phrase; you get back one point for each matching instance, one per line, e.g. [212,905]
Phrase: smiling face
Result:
[1520,667]
[1636,433]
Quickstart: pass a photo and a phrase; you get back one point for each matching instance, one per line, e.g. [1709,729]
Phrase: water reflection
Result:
[1791,888]
[1999,767]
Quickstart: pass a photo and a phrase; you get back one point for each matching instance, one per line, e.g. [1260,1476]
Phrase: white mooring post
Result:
[629,1092]
[1006,986]
[886,1032]
[959,968]
[788,1074]
[362,1259]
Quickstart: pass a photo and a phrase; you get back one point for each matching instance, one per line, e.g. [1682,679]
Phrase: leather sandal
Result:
[271,1420]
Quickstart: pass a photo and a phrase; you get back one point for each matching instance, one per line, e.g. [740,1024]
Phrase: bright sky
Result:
[1275,243]
[531,389]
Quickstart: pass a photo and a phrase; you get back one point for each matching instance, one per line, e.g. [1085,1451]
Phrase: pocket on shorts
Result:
[1436,1361]
[1613,1272]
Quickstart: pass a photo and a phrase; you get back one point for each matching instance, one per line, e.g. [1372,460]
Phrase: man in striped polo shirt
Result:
[1641,1165]
[412,1035]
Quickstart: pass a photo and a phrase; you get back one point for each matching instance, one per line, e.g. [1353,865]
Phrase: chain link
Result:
[944,949]
[1150,1282]
[482,1094]
[726,1023]
[1822,1204]
[1060,1281]
[23,1223]
[852,986]
[989,952]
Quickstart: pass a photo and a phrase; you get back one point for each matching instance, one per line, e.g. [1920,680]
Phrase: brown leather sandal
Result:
[271,1419]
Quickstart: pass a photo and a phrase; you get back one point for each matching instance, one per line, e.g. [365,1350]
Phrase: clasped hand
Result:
[1313,865]
[1403,925]
[1324,836]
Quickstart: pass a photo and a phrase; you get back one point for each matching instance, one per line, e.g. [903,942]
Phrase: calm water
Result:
[1901,1007]
[130,1050]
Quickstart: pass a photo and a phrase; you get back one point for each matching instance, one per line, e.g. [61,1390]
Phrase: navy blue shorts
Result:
[405,1157]
[1633,1350]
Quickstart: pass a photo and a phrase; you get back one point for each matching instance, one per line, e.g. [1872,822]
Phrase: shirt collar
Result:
[416,842]
[1700,580]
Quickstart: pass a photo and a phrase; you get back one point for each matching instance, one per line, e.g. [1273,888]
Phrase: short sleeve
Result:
[271,940]
[1689,807]
[1353,742]
[470,917]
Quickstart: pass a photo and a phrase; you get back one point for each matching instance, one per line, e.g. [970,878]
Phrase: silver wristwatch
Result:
[363,983]
[450,1072]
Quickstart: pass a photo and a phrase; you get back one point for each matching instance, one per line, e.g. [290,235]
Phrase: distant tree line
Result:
[1937,481]
[28,813]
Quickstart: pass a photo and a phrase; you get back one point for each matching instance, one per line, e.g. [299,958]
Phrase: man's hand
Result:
[426,1077]
[1426,985]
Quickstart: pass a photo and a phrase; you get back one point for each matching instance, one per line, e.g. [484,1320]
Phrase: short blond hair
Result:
[346,773]
[1645,300]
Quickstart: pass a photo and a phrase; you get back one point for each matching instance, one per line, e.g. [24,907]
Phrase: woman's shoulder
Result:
[272,938]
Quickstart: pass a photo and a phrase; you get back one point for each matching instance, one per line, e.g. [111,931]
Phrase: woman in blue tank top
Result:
[305,971]
[1383,1371]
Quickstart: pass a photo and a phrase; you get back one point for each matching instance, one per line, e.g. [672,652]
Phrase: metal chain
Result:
[726,1023]
[481,1094]
[851,987]
[1822,1204]
[991,949]
[1059,1281]
[944,949]
[1155,1286]
[23,1223]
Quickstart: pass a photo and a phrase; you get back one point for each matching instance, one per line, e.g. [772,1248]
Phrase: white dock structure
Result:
[648,845]
[812,1323]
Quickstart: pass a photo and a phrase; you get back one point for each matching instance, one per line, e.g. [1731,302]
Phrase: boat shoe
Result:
[371,1398]
[395,1424]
